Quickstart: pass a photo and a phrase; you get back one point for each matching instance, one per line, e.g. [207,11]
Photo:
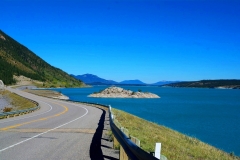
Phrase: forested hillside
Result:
[232,83]
[16,59]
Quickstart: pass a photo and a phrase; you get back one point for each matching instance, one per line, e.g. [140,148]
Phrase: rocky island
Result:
[117,92]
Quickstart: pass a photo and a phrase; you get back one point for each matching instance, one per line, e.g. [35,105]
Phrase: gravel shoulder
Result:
[3,102]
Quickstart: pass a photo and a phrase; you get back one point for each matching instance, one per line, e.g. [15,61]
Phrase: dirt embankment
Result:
[23,81]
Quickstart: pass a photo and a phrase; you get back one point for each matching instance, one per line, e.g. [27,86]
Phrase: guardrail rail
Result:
[132,150]
[20,112]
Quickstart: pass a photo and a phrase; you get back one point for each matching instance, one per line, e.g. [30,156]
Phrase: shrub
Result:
[7,109]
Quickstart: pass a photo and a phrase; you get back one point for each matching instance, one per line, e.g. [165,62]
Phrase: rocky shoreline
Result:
[47,93]
[117,92]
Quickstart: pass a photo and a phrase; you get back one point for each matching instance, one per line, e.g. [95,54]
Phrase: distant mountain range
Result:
[95,80]
[134,82]
[165,82]
[91,79]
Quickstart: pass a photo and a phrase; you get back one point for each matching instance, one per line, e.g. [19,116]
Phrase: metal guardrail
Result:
[133,151]
[20,112]
[17,113]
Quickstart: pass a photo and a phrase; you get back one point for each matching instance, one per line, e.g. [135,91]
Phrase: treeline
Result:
[7,71]
[234,83]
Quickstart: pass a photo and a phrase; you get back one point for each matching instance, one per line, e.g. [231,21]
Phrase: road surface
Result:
[59,130]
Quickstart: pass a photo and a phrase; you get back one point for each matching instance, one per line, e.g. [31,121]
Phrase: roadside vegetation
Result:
[44,93]
[174,144]
[16,102]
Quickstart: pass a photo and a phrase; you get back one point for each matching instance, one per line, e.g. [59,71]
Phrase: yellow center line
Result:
[40,119]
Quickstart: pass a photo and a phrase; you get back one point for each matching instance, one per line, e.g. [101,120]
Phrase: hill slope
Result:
[136,82]
[233,84]
[164,82]
[16,59]
[95,80]
[90,79]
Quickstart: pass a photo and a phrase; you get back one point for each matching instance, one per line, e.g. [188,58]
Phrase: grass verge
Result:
[44,93]
[174,144]
[17,102]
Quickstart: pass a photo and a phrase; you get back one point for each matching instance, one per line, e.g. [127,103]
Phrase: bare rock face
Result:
[117,92]
[2,37]
[1,85]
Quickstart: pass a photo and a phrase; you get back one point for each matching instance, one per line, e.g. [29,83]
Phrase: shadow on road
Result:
[95,148]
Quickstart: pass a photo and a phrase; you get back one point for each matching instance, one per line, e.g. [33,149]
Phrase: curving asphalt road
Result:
[59,130]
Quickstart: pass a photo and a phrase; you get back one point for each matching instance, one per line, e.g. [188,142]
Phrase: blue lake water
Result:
[211,115]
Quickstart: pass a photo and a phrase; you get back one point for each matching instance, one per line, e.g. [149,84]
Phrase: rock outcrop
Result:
[2,37]
[4,102]
[117,92]
[1,85]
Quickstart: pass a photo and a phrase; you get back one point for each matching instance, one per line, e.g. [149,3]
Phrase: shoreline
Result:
[200,87]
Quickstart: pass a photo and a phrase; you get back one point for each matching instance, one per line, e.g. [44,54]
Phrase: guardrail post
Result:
[125,131]
[115,143]
[110,108]
[135,140]
[158,150]
[123,154]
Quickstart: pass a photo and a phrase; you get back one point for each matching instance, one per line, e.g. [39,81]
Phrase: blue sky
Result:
[150,40]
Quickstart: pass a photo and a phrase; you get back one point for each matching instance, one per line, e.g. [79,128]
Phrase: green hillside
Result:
[231,84]
[16,59]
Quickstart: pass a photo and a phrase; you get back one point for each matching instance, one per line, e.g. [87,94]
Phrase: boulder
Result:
[1,85]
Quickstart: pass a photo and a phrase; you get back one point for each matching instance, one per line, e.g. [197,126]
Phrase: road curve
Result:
[59,130]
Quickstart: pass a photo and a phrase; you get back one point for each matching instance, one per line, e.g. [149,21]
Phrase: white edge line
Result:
[46,131]
[32,115]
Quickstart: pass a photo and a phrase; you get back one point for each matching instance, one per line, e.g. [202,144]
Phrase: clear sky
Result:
[150,40]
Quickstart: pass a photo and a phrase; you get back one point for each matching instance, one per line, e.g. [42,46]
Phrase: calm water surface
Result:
[211,115]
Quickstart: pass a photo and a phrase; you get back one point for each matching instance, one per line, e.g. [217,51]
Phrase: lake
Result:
[211,115]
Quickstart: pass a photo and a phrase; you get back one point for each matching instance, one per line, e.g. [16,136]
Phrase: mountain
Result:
[164,82]
[93,79]
[16,59]
[134,82]
[231,83]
